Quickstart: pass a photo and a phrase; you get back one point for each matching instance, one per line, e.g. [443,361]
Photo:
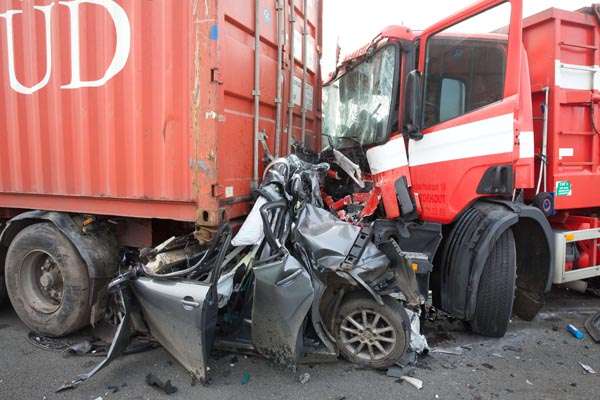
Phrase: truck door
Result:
[470,67]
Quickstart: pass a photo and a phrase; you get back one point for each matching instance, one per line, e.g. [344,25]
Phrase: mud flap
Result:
[283,296]
[182,316]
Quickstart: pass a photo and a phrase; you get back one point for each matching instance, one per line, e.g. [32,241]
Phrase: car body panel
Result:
[182,316]
[283,295]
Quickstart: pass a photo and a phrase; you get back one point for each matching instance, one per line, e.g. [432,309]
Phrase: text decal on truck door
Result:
[119,59]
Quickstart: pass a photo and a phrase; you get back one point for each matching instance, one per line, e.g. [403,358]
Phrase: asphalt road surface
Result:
[535,360]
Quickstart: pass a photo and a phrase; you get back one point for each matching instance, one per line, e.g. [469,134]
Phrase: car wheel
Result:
[370,334]
[47,281]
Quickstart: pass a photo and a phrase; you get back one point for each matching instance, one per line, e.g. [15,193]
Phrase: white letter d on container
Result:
[123,42]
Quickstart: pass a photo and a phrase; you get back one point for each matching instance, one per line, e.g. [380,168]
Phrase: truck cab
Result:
[442,123]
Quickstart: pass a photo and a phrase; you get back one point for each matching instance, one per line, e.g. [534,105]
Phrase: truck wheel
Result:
[47,281]
[370,334]
[3,293]
[496,292]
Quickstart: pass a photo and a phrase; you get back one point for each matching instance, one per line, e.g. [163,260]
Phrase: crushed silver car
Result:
[295,280]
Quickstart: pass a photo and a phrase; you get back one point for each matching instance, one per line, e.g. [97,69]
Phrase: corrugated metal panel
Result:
[125,139]
[237,53]
[153,140]
[564,54]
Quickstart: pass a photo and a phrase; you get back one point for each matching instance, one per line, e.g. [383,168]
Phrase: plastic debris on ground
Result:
[234,360]
[304,378]
[418,342]
[573,330]
[587,368]
[456,351]
[245,378]
[83,347]
[512,348]
[417,383]
[165,387]
[113,389]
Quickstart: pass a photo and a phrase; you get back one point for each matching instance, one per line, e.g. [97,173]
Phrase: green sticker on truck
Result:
[563,188]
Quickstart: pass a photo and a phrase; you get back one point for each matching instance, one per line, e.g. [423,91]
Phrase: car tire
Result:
[47,281]
[496,292]
[358,345]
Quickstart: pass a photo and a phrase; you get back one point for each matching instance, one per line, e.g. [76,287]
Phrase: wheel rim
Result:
[368,335]
[42,282]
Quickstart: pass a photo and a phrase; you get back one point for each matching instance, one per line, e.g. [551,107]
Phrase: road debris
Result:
[80,348]
[165,387]
[413,381]
[573,330]
[512,348]
[112,389]
[587,368]
[304,378]
[457,351]
[245,378]
[234,360]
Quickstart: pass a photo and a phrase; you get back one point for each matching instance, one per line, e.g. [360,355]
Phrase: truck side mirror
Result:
[414,100]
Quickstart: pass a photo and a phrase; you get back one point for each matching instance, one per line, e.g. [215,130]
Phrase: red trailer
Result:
[563,49]
[132,113]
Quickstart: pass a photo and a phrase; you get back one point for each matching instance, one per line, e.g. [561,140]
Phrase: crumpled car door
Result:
[182,316]
[283,295]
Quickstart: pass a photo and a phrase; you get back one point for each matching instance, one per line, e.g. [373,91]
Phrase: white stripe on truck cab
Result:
[481,138]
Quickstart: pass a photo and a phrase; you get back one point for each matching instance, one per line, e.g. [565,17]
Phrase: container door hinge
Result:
[215,76]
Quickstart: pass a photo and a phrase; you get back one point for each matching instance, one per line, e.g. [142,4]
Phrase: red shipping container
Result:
[145,108]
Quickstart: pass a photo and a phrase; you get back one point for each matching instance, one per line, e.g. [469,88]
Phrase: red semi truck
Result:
[486,124]
[488,136]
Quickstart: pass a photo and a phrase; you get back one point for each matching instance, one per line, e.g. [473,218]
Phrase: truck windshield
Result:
[357,105]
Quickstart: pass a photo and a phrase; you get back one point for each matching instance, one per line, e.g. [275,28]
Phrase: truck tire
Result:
[47,281]
[496,292]
[376,346]
[3,293]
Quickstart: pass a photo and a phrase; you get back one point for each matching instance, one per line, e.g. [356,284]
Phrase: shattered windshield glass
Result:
[357,105]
